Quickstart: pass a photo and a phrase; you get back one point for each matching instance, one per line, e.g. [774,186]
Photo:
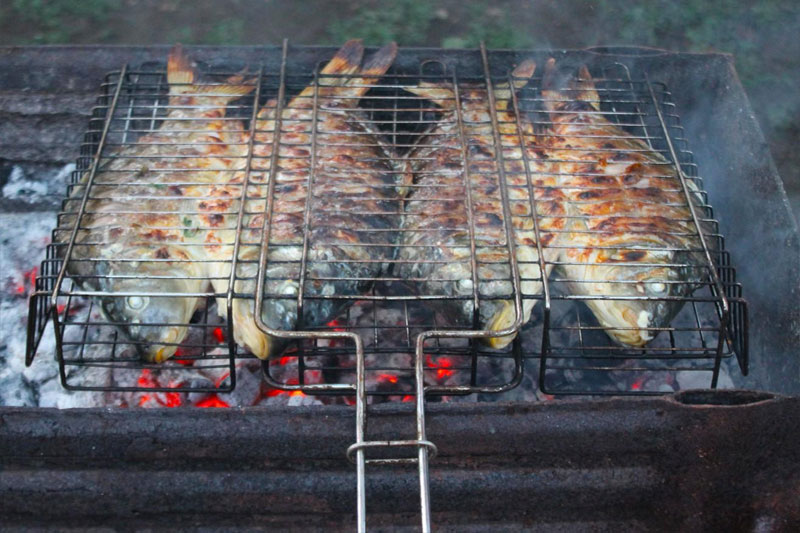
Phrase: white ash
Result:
[22,245]
[32,187]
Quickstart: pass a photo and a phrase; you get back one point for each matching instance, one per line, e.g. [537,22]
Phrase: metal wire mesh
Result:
[334,253]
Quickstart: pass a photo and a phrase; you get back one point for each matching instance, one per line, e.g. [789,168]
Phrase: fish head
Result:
[247,332]
[153,312]
[633,301]
[278,312]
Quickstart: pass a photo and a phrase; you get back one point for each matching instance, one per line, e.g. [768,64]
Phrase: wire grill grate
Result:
[386,310]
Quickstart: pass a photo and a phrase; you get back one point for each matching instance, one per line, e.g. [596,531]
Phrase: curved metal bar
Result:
[351,451]
[724,306]
[473,255]
[57,330]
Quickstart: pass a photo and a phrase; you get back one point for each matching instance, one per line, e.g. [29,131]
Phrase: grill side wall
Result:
[657,463]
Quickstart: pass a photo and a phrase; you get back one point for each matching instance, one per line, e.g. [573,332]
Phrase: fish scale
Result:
[349,218]
[629,220]
[145,227]
[436,247]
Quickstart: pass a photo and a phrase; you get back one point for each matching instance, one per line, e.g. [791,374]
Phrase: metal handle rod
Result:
[467,177]
[361,430]
[503,183]
[238,235]
[245,186]
[724,307]
[424,480]
[545,350]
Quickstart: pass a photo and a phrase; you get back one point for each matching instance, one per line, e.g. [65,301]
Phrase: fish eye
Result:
[658,288]
[290,290]
[136,302]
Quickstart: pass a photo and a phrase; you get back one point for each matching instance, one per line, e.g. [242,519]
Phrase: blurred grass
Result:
[404,21]
[59,21]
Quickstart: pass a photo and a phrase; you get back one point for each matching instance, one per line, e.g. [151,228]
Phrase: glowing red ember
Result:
[335,324]
[637,385]
[442,366]
[164,399]
[185,362]
[212,401]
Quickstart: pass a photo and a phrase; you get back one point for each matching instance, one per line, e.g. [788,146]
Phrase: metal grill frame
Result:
[723,281]
[731,307]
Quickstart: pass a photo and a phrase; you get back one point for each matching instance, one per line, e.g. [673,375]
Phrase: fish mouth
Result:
[247,333]
[637,326]
[160,353]
[152,319]
[504,318]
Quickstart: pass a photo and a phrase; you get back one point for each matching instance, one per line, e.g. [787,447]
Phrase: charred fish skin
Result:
[631,231]
[342,211]
[141,231]
[436,246]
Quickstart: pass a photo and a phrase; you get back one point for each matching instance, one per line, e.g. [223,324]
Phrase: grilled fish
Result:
[437,234]
[142,234]
[336,194]
[631,233]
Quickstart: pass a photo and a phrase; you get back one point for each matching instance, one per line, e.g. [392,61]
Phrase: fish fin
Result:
[521,75]
[557,91]
[441,94]
[372,71]
[586,91]
[345,62]
[179,69]
[181,76]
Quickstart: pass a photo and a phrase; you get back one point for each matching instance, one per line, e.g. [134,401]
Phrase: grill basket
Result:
[560,338]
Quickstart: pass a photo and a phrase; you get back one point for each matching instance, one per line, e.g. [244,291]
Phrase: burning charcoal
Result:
[248,386]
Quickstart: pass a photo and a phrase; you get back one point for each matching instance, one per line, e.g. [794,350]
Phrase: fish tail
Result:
[586,90]
[372,71]
[344,63]
[441,94]
[558,91]
[346,60]
[346,90]
[521,75]
[182,76]
[179,69]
